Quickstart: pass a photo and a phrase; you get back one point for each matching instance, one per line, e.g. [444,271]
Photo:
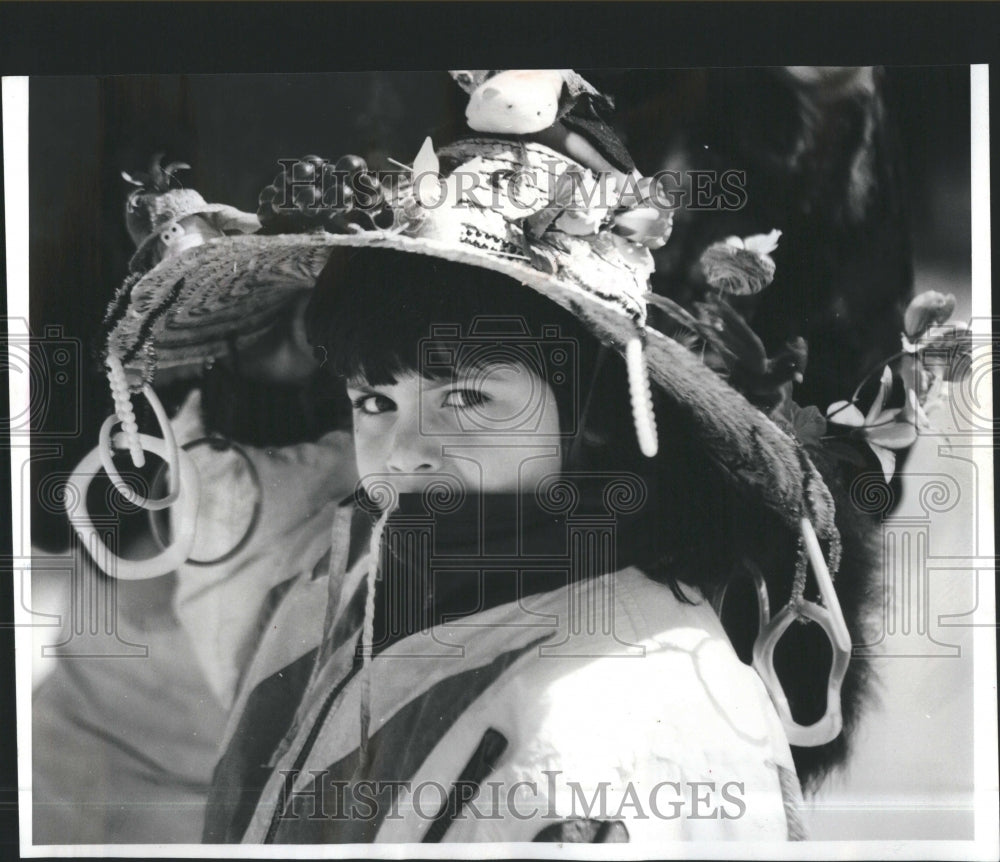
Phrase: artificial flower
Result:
[741,266]
[636,256]
[579,222]
[588,207]
[947,348]
[646,225]
[885,431]
[925,310]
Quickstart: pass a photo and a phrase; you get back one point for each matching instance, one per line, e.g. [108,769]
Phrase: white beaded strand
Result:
[123,409]
[641,397]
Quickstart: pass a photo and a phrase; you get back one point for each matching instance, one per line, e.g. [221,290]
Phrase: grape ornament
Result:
[313,194]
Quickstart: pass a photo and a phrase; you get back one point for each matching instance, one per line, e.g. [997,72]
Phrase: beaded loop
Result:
[132,437]
[831,619]
[134,570]
[254,518]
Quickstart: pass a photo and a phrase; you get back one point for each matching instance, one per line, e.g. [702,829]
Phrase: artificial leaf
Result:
[891,435]
[845,413]
[728,331]
[808,424]
[562,197]
[426,161]
[676,312]
[887,458]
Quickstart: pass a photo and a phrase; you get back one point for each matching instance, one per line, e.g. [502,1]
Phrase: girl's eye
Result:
[373,404]
[465,398]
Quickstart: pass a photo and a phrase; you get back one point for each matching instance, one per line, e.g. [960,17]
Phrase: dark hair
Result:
[247,409]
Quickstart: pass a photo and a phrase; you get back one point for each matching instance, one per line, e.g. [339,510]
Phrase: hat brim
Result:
[194,305]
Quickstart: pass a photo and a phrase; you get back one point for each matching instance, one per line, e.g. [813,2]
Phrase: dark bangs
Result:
[380,314]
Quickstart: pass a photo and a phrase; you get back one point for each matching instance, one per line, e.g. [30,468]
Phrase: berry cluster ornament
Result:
[312,193]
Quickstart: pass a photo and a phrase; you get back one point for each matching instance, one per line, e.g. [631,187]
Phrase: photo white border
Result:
[15,165]
[986,782]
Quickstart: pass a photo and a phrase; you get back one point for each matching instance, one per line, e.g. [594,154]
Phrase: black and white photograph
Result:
[505,460]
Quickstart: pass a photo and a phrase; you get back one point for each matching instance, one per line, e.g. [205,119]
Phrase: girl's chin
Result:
[442,483]
[447,485]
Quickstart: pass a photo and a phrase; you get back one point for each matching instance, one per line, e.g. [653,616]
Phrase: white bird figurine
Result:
[516,102]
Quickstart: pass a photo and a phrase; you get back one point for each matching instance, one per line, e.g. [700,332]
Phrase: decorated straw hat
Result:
[541,191]
[500,199]
[167,221]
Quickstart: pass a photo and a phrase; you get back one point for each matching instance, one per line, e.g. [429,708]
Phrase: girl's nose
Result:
[413,451]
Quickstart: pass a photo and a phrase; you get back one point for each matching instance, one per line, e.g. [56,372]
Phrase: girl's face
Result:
[494,429]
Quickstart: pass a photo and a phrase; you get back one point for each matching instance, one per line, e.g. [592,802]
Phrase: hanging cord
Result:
[817,509]
[368,637]
[336,568]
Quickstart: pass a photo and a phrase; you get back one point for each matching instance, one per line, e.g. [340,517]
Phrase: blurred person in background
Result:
[124,745]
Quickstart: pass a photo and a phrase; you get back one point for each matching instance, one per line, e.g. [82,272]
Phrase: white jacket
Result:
[608,701]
